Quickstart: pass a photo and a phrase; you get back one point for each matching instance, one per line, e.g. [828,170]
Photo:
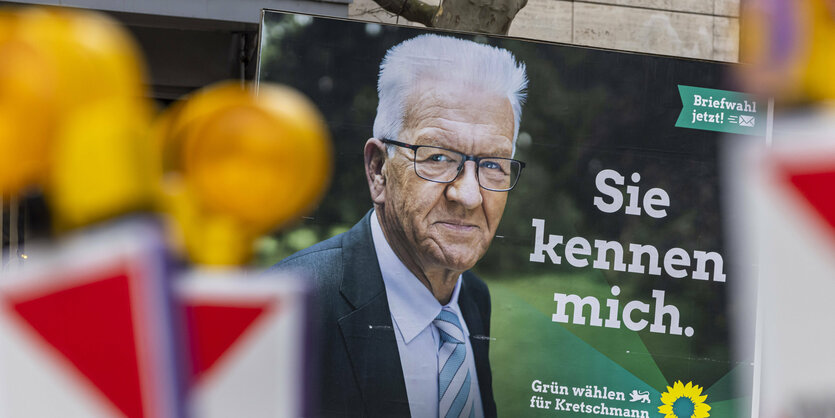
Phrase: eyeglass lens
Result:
[442,165]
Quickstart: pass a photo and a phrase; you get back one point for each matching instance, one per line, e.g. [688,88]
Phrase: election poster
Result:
[609,275]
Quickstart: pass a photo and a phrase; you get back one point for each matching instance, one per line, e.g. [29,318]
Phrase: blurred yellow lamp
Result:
[249,163]
[73,112]
[28,102]
[787,47]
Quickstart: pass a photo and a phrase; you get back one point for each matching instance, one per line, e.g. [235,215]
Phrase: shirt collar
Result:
[412,305]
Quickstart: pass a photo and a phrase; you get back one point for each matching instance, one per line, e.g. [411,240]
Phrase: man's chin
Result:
[460,259]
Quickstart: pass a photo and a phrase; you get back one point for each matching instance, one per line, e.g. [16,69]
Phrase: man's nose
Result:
[465,189]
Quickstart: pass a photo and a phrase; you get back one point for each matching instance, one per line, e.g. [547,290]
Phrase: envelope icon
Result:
[746,120]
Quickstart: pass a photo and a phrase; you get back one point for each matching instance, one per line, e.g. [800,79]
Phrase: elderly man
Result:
[403,325]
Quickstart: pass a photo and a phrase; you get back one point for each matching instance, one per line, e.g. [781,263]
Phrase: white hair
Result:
[448,59]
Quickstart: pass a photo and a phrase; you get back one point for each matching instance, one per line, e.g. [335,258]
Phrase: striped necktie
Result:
[454,378]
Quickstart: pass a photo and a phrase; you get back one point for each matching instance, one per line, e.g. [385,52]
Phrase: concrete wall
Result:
[704,29]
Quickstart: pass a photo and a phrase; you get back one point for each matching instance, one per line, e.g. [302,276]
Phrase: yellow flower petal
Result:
[690,391]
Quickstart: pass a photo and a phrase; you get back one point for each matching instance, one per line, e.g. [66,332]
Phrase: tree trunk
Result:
[411,10]
[485,16]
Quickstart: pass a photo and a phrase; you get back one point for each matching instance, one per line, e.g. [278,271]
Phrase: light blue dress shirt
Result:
[413,308]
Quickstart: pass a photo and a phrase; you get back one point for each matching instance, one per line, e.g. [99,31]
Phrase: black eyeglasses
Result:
[443,165]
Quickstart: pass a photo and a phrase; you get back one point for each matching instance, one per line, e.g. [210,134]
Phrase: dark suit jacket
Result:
[360,372]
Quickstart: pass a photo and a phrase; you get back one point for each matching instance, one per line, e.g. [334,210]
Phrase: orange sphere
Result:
[264,159]
[95,58]
[53,63]
[28,108]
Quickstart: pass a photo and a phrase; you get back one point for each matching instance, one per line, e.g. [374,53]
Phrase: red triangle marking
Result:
[817,186]
[214,329]
[91,325]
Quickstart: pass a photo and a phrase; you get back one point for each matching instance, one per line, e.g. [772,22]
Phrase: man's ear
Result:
[375,158]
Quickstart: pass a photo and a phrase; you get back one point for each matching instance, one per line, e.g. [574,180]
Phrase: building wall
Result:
[703,29]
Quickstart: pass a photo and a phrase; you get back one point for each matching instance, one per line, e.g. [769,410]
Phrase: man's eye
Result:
[491,165]
[440,158]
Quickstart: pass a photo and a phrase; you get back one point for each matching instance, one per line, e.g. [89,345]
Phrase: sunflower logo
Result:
[684,401]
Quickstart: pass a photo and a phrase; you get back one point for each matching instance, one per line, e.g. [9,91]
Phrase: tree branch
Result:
[412,10]
[486,16]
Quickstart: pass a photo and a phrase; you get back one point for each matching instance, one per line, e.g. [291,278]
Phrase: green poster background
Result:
[587,110]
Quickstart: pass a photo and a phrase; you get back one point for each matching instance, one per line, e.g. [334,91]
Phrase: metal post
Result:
[14,211]
[2,232]
[242,57]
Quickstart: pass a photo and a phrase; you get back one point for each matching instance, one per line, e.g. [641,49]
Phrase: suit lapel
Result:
[367,330]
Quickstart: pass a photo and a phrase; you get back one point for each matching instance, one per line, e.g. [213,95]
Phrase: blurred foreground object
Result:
[787,46]
[239,164]
[86,321]
[783,197]
[236,165]
[98,322]
[86,328]
[73,113]
[250,346]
